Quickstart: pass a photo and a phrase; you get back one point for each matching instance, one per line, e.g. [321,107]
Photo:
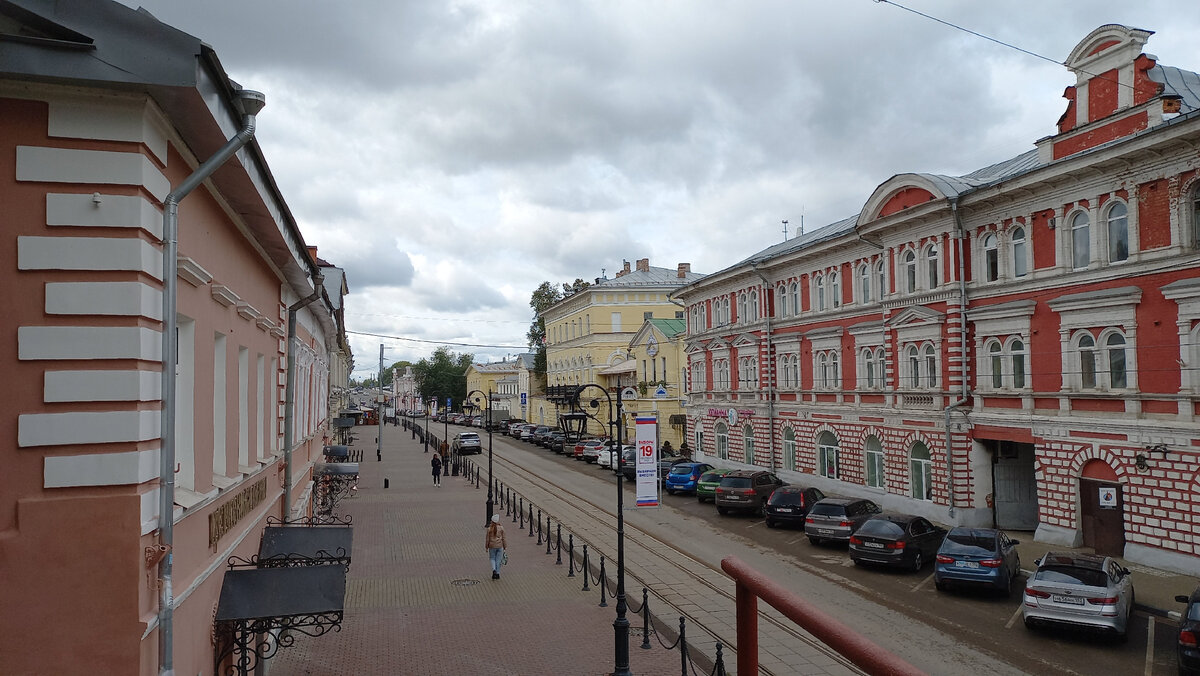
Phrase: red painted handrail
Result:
[753,585]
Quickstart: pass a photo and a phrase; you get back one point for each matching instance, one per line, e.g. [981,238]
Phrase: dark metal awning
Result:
[336,452]
[332,481]
[344,422]
[305,545]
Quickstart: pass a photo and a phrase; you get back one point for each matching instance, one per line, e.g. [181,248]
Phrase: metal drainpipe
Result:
[289,396]
[959,236]
[250,103]
[770,368]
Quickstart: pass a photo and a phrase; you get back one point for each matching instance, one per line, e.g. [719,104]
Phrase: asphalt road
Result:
[981,623]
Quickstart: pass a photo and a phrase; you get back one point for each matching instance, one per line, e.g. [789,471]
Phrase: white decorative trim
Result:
[264,323]
[191,272]
[66,165]
[106,119]
[149,510]
[94,210]
[100,469]
[246,310]
[80,427]
[126,299]
[66,386]
[1106,307]
[88,253]
[277,331]
[89,342]
[223,295]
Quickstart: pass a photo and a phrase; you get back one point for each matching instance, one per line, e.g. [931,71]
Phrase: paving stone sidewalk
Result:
[420,598]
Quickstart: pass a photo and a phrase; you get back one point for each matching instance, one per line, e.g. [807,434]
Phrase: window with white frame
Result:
[1099,361]
[1004,364]
[795,288]
[699,438]
[721,374]
[1117,217]
[932,266]
[871,373]
[864,284]
[880,280]
[819,291]
[873,462]
[789,372]
[827,455]
[835,290]
[721,432]
[922,472]
[741,308]
[747,373]
[828,369]
[921,364]
[698,384]
[910,271]
[748,443]
[1195,209]
[991,257]
[929,353]
[789,449]
[752,307]
[1020,252]
[781,300]
[1081,243]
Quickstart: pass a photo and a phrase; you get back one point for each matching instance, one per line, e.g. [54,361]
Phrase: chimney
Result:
[625,270]
[684,269]
[312,253]
[643,264]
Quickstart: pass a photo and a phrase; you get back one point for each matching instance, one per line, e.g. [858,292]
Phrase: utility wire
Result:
[438,319]
[436,342]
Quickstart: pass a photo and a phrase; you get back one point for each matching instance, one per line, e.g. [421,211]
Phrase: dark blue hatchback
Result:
[977,557]
[683,476]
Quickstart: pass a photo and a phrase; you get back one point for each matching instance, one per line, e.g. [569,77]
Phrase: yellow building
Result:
[658,357]
[507,381]
[590,339]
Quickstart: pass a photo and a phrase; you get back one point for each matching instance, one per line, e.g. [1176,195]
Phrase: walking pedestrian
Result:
[436,463]
[495,544]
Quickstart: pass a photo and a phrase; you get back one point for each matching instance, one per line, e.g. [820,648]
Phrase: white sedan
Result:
[607,458]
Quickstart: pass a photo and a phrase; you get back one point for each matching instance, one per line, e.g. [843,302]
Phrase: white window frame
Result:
[991,257]
[909,265]
[864,283]
[828,460]
[835,290]
[819,291]
[748,443]
[1111,222]
[923,468]
[874,461]
[721,434]
[1019,248]
[789,449]
[1080,231]
[933,270]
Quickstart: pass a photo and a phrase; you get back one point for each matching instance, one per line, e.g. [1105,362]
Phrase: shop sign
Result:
[224,518]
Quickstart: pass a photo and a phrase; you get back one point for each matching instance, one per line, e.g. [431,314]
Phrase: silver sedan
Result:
[1079,590]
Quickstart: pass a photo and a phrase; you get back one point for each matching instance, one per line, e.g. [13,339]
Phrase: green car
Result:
[706,487]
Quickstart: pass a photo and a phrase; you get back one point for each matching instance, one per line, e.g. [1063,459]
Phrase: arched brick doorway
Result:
[1102,509]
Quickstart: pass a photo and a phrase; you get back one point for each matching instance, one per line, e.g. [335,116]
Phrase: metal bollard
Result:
[547,534]
[570,554]
[587,571]
[539,526]
[645,619]
[521,511]
[603,585]
[720,666]
[531,519]
[683,656]
[558,547]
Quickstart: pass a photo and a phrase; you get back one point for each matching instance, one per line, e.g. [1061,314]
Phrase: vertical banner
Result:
[646,463]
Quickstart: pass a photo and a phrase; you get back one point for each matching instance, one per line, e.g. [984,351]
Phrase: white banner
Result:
[646,463]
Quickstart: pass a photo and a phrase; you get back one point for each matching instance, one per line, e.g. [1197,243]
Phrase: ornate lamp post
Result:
[446,440]
[425,432]
[621,624]
[490,503]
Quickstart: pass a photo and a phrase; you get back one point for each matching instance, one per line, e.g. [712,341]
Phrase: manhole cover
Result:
[464,582]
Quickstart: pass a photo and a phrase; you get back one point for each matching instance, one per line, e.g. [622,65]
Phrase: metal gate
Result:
[1015,486]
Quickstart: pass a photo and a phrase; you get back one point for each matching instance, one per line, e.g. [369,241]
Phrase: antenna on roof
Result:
[785,230]
[801,221]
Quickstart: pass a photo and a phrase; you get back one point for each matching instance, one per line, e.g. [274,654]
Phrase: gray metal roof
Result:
[1178,82]
[651,277]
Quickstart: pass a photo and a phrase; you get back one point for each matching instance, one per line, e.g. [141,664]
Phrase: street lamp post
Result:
[621,624]
[425,432]
[490,503]
[446,440]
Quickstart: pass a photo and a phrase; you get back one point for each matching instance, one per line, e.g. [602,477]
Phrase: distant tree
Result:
[544,296]
[443,375]
[574,287]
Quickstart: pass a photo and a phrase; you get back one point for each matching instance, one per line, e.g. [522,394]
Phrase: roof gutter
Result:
[249,103]
[964,391]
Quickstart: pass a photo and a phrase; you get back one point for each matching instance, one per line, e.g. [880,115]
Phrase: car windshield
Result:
[969,542]
[828,510]
[786,498]
[681,469]
[470,437]
[735,482]
[710,477]
[882,528]
[1088,577]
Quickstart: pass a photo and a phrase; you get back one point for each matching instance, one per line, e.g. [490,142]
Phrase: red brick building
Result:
[1018,346]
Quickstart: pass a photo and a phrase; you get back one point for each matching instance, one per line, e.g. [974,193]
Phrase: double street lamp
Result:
[621,624]
[475,400]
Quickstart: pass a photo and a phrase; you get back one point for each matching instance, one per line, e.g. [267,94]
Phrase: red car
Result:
[589,449]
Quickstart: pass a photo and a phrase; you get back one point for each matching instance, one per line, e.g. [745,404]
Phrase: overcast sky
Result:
[453,155]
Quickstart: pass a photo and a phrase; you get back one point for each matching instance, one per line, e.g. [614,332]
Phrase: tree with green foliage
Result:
[544,297]
[443,375]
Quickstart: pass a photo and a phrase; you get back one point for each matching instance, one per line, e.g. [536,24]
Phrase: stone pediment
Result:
[917,315]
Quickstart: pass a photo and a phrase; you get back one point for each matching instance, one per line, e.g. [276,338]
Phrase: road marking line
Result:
[794,541]
[922,583]
[1014,617]
[756,523]
[1149,646]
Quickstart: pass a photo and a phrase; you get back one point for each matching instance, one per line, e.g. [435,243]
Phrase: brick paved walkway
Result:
[404,614]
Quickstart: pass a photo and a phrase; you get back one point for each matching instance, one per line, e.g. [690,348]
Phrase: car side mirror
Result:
[1037,562]
[1125,571]
[1181,598]
[1014,542]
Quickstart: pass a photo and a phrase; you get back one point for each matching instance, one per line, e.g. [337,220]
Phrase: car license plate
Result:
[784,510]
[825,531]
[873,545]
[1069,600]
[967,564]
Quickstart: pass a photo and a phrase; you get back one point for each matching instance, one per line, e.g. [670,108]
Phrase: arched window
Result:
[748,443]
[870,375]
[722,434]
[1086,350]
[864,284]
[914,366]
[922,472]
[996,355]
[789,449]
[741,308]
[931,366]
[1115,345]
[781,300]
[880,280]
[835,370]
[873,450]
[827,455]
[796,298]
[910,272]
[991,258]
[1020,265]
[1118,232]
[835,290]
[822,370]
[932,268]
[753,305]
[1016,350]
[1081,245]
[1196,215]
[699,440]
[819,291]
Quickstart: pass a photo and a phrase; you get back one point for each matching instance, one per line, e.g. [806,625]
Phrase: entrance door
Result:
[1014,485]
[1102,516]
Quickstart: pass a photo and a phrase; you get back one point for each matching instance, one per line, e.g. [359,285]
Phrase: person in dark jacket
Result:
[436,463]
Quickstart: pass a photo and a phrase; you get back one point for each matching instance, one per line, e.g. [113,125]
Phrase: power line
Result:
[437,319]
[435,342]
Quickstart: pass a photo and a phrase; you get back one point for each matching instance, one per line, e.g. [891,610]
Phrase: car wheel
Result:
[939,585]
[670,491]
[917,562]
[814,540]
[856,561]
[722,510]
[770,523]
[1006,590]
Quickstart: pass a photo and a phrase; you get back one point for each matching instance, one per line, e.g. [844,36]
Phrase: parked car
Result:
[683,476]
[539,433]
[559,442]
[665,463]
[837,518]
[627,458]
[526,431]
[1189,631]
[1079,590]
[706,487]
[608,456]
[977,556]
[898,540]
[788,505]
[745,489]
[591,451]
[547,440]
[467,443]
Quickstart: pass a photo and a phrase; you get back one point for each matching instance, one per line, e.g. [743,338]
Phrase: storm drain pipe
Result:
[770,368]
[959,235]
[290,393]
[249,103]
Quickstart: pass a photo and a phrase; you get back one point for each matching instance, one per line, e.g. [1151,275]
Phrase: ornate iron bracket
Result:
[251,641]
